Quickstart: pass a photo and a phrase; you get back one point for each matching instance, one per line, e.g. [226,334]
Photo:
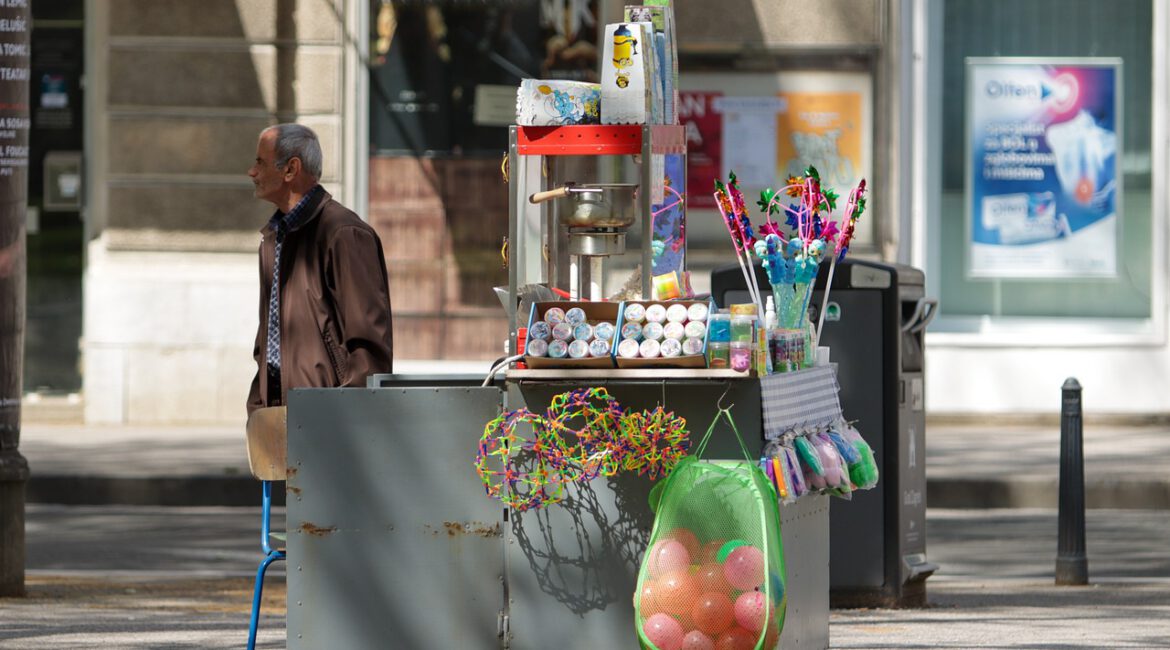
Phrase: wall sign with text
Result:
[1043,182]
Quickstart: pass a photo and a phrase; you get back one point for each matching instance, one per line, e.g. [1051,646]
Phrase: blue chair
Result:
[267,458]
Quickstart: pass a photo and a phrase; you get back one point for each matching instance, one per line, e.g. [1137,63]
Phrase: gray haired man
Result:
[324,299]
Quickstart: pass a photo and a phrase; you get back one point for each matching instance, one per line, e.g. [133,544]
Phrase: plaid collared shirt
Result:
[282,224]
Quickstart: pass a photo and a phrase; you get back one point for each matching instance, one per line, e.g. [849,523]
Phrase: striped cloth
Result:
[798,399]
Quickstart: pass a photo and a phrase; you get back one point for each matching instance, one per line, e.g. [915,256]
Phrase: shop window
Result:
[443,79]
[1045,207]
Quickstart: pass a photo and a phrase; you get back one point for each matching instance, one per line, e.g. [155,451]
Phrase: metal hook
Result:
[663,402]
[726,389]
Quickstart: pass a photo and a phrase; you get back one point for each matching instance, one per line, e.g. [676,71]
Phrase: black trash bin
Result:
[874,326]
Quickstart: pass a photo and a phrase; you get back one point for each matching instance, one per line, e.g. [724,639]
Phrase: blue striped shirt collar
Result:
[296,217]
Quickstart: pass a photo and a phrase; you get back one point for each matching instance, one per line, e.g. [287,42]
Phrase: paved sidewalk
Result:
[138,465]
[969,466]
[138,577]
[995,586]
[116,577]
[989,466]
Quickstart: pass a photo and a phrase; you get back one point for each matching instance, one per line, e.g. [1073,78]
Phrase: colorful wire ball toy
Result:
[521,472]
[654,442]
[588,417]
[582,435]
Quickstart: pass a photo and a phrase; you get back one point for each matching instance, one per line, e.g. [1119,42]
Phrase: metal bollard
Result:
[1072,566]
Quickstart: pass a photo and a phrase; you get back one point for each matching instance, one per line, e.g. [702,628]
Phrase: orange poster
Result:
[825,130]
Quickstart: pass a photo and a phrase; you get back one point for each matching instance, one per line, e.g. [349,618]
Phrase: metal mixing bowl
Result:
[593,205]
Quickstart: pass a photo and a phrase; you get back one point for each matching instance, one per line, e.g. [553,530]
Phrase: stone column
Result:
[15,28]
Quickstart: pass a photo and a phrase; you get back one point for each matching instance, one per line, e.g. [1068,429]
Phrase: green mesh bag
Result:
[713,575]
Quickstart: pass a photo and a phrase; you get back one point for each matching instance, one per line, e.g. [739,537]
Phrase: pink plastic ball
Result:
[751,608]
[712,613]
[696,640]
[668,555]
[664,632]
[744,568]
[688,540]
[736,638]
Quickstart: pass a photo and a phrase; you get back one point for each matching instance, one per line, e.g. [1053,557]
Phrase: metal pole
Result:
[1072,567]
[15,48]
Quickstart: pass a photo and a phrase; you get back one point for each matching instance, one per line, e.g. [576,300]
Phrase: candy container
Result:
[558,349]
[656,313]
[540,331]
[695,329]
[741,356]
[719,328]
[652,331]
[692,346]
[674,330]
[743,329]
[575,316]
[649,349]
[598,348]
[604,331]
[578,349]
[583,332]
[671,348]
[554,315]
[635,313]
[536,348]
[632,331]
[676,313]
[628,349]
[562,331]
[718,354]
[697,312]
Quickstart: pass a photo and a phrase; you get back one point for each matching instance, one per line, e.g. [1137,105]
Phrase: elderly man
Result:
[324,302]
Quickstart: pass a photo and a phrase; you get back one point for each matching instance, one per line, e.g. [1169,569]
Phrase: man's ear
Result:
[292,169]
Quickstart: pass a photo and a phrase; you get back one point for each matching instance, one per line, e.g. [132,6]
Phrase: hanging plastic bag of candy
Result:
[778,469]
[713,575]
[837,479]
[864,472]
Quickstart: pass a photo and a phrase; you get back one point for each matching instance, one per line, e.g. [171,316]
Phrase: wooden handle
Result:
[541,197]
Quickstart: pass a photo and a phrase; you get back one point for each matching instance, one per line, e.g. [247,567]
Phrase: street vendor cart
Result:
[391,540]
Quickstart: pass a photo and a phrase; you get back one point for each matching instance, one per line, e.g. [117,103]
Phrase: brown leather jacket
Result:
[334,303]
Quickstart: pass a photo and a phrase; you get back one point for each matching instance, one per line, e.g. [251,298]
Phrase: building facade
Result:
[402,94]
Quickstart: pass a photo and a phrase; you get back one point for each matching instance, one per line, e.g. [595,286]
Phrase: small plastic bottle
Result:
[766,339]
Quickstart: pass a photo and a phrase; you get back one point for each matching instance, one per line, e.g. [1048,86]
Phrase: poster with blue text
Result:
[1043,182]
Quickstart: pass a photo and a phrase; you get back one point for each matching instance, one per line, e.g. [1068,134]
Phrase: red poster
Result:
[704,126]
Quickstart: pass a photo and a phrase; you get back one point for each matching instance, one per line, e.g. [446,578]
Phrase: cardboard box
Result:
[685,361]
[595,312]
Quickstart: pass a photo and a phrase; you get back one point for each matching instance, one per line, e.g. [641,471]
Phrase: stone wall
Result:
[177,93]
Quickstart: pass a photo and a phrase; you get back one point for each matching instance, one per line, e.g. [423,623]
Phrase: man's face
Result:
[268,179]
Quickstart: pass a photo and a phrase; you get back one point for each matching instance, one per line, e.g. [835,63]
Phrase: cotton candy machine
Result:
[581,200]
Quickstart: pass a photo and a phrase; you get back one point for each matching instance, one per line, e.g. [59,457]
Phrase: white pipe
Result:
[574,279]
[596,264]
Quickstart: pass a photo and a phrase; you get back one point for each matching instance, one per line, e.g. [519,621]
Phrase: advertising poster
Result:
[1043,141]
[825,122]
[822,130]
[747,122]
[696,112]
